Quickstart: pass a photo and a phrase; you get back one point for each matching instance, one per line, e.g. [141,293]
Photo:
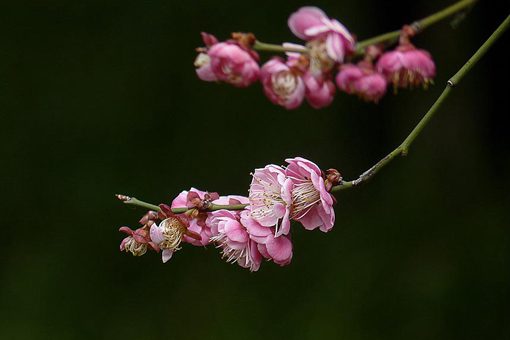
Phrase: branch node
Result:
[416,26]
[450,83]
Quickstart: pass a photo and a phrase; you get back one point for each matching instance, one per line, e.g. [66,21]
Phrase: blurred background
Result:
[101,97]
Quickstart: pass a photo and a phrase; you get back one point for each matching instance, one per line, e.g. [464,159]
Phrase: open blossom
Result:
[320,92]
[233,238]
[312,204]
[282,84]
[311,23]
[270,198]
[407,66]
[277,249]
[232,64]
[299,192]
[137,241]
[168,235]
[362,81]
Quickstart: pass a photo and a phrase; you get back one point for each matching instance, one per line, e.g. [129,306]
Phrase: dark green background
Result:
[100,97]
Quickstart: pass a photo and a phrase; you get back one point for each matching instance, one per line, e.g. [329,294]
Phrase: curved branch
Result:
[404,147]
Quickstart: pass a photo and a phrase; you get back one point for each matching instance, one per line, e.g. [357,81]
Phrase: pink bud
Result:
[362,81]
[407,66]
[282,85]
[320,92]
[233,65]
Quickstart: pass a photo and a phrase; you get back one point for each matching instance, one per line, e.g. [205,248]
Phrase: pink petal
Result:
[236,232]
[310,220]
[181,200]
[156,234]
[263,250]
[206,74]
[126,230]
[335,47]
[166,255]
[280,250]
[305,18]
[254,228]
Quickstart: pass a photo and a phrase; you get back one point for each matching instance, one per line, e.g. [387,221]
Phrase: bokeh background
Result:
[100,97]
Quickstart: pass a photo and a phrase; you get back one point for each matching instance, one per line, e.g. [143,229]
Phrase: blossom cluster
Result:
[261,229]
[328,57]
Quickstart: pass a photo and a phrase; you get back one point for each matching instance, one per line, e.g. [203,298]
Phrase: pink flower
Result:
[137,241]
[320,92]
[232,64]
[187,199]
[311,23]
[198,232]
[407,66]
[233,238]
[282,85]
[362,81]
[312,204]
[347,76]
[277,249]
[270,198]
[168,235]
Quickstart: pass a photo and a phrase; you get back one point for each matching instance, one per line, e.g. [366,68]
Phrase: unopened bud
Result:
[333,177]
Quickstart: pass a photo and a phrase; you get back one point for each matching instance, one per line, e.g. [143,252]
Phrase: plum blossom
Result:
[137,241]
[277,249]
[361,80]
[232,64]
[168,235]
[312,204]
[282,84]
[233,238]
[407,66]
[228,61]
[270,198]
[320,91]
[312,24]
[197,199]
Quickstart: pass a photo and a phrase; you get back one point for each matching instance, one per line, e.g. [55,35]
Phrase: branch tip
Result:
[123,198]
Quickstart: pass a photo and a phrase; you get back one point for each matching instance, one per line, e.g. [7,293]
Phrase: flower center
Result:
[136,248]
[173,231]
[231,255]
[304,197]
[230,74]
[263,200]
[320,61]
[284,83]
